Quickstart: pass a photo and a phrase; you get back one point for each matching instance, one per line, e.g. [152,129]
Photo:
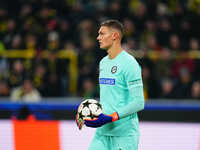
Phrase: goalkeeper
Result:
[121,94]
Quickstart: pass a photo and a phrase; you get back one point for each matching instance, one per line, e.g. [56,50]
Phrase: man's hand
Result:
[101,120]
[79,121]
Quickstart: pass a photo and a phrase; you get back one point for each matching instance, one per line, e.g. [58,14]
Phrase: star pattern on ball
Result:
[89,109]
[86,104]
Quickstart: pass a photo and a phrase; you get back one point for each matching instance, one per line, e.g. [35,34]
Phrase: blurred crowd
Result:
[162,34]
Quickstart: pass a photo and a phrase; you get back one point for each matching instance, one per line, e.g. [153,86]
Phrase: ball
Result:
[89,109]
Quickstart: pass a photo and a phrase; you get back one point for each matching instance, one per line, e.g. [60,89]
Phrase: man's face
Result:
[105,37]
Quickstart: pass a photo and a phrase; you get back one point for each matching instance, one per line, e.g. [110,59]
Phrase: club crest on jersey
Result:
[114,69]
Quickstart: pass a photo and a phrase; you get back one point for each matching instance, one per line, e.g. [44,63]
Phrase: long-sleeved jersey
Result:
[121,91]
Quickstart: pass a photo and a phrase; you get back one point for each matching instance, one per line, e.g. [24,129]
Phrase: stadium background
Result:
[51,45]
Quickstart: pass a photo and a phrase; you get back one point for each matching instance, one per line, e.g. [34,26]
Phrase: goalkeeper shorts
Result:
[101,142]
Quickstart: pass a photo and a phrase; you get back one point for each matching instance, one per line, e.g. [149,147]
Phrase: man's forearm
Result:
[135,105]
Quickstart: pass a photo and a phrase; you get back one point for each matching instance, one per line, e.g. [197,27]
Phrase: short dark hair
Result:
[112,23]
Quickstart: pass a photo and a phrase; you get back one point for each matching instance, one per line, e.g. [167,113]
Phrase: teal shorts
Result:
[100,142]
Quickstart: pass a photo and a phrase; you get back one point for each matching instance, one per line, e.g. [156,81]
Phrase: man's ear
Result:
[116,35]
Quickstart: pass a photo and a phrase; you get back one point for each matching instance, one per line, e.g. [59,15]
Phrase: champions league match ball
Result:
[89,109]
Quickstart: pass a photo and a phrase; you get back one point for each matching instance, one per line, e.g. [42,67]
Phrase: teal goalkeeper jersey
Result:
[121,90]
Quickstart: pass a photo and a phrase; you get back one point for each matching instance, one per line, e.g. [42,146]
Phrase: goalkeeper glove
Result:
[79,121]
[101,120]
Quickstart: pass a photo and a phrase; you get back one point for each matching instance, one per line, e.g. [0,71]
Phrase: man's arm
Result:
[133,79]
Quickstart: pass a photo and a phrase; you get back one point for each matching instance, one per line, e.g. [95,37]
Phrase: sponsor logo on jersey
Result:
[114,69]
[108,81]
